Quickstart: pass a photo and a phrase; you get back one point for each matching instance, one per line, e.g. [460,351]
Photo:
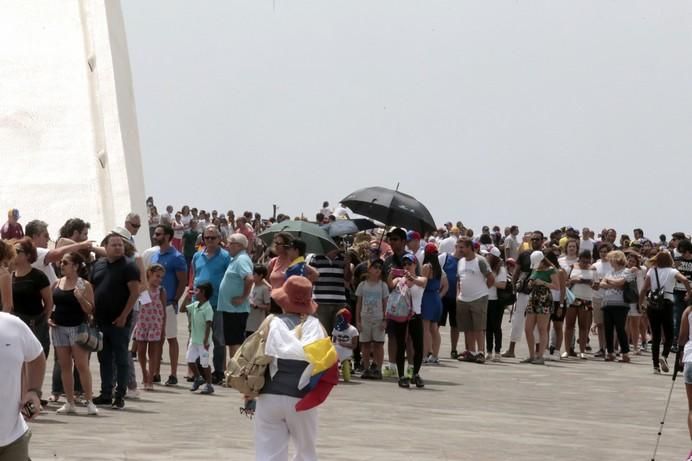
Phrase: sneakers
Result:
[409,372]
[132,394]
[367,374]
[91,409]
[480,357]
[208,389]
[102,400]
[157,379]
[582,356]
[389,370]
[538,361]
[118,403]
[197,383]
[527,360]
[418,381]
[376,374]
[172,381]
[404,382]
[496,357]
[454,355]
[657,371]
[600,353]
[67,408]
[508,355]
[664,364]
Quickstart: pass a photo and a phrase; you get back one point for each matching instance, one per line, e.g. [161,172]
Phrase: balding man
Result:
[234,292]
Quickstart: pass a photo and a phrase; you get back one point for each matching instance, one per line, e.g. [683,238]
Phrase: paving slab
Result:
[571,410]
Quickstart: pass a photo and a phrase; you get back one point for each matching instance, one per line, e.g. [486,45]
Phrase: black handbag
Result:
[506,295]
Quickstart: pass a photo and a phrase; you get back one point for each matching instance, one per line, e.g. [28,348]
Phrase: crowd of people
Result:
[572,295]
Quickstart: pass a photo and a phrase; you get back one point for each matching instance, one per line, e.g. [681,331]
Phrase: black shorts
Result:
[449,308]
[234,328]
[556,310]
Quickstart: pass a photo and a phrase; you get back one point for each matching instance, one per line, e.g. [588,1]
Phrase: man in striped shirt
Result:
[329,289]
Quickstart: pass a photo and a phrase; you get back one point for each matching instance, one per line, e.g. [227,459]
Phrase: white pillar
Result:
[69,145]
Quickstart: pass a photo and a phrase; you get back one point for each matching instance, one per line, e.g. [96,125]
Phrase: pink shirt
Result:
[277,277]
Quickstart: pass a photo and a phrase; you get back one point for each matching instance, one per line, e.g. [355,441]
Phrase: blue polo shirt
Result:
[173,261]
[211,269]
[233,284]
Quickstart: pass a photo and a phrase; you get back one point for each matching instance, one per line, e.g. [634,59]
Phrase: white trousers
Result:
[518,318]
[277,422]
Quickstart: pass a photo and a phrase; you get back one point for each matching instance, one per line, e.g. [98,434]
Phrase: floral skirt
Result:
[540,300]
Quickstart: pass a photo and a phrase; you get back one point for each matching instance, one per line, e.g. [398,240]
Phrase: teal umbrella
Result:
[316,239]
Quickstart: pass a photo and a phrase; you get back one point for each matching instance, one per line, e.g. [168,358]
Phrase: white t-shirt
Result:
[586,245]
[19,345]
[512,246]
[500,277]
[472,277]
[582,290]
[602,268]
[41,265]
[178,230]
[666,276]
[186,221]
[447,245]
[344,337]
[416,297]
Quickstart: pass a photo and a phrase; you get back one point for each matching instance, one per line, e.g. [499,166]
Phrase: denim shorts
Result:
[688,373]
[63,336]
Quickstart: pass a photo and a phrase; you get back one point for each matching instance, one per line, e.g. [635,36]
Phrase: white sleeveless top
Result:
[687,356]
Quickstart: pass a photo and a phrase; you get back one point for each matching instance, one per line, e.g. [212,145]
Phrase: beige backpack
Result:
[246,369]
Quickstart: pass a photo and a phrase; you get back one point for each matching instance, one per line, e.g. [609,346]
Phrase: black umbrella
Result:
[391,207]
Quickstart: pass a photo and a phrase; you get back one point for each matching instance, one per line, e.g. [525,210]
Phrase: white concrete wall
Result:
[69,145]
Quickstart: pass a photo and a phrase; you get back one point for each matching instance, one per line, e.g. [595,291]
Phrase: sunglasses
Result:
[210,237]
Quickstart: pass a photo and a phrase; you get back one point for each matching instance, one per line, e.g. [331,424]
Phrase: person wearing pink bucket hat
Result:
[302,372]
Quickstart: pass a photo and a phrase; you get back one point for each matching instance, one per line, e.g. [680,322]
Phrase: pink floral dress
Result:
[150,320]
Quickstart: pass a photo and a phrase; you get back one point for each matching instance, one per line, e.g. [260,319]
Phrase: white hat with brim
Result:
[537,258]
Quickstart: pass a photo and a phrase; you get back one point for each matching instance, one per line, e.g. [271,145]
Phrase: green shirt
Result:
[189,242]
[199,316]
[543,275]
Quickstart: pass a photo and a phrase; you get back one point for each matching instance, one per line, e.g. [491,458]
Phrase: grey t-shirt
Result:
[373,295]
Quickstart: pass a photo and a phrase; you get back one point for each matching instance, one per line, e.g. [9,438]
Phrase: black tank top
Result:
[67,312]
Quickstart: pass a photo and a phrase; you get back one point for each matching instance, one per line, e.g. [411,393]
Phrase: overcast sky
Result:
[536,113]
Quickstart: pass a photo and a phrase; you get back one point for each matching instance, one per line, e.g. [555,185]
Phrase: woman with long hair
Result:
[493,330]
[614,307]
[543,278]
[31,293]
[581,279]
[662,277]
[634,316]
[431,307]
[74,304]
[277,265]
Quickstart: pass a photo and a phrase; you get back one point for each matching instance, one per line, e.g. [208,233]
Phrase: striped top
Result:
[329,287]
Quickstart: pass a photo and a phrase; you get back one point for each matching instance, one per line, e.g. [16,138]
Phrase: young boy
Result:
[345,339]
[201,317]
[260,299]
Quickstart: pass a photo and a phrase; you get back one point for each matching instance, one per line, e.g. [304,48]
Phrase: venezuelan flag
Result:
[324,359]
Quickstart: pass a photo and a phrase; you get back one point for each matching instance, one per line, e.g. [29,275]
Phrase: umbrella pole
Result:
[386,223]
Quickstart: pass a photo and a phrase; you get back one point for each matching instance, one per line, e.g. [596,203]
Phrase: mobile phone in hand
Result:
[28,410]
[397,273]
